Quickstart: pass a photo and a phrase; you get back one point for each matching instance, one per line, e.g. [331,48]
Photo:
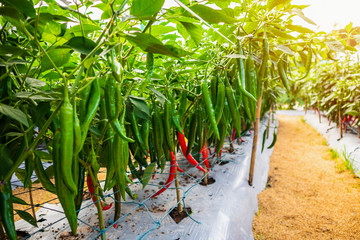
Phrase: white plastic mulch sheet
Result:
[347,147]
[222,210]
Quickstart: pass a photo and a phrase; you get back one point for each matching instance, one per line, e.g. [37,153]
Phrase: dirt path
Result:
[309,195]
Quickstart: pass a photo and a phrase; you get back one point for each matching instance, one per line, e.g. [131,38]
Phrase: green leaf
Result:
[299,29]
[87,28]
[6,161]
[211,15]
[149,171]
[82,45]
[300,14]
[349,27]
[141,109]
[18,200]
[250,27]
[335,45]
[195,32]
[25,6]
[145,9]
[281,34]
[14,113]
[59,56]
[11,51]
[27,217]
[273,3]
[285,49]
[149,43]
[43,155]
[34,83]
[158,94]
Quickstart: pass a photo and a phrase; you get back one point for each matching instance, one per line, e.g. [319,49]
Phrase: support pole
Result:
[256,133]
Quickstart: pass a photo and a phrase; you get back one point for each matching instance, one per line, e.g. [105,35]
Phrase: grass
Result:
[303,119]
[343,163]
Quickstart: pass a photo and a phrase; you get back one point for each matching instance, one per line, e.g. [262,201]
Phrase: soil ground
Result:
[310,192]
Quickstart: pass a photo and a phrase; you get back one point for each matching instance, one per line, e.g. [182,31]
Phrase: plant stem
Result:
[32,203]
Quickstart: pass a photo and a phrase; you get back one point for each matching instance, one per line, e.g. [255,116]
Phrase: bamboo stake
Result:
[318,103]
[268,125]
[305,105]
[178,197]
[340,124]
[256,132]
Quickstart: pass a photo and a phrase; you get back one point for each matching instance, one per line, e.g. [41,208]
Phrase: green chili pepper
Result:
[91,109]
[209,107]
[77,132]
[43,178]
[220,142]
[175,115]
[168,126]
[65,195]
[144,132]
[183,103]
[213,89]
[192,132]
[7,212]
[158,131]
[233,108]
[110,163]
[220,100]
[67,143]
[136,133]
[111,109]
[282,73]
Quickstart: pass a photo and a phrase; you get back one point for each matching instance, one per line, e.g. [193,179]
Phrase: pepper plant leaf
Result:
[145,9]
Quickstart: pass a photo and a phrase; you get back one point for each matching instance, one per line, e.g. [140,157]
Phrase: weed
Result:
[303,119]
[334,154]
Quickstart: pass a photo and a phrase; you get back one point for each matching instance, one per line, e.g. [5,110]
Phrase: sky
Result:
[331,14]
[327,14]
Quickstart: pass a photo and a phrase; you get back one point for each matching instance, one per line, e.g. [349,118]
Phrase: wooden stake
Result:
[268,125]
[305,105]
[318,103]
[178,197]
[256,132]
[340,125]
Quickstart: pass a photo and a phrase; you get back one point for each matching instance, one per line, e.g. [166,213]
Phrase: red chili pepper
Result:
[233,134]
[178,168]
[349,118]
[205,154]
[242,140]
[344,120]
[171,175]
[173,157]
[190,158]
[92,192]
